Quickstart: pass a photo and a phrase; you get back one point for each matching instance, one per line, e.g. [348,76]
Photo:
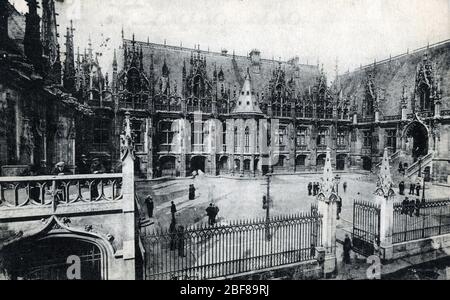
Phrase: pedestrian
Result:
[150,205]
[405,204]
[345,187]
[96,168]
[347,248]
[418,189]
[191,192]
[216,212]
[173,210]
[310,185]
[412,187]
[83,166]
[210,214]
[180,239]
[339,207]
[418,207]
[411,206]
[173,234]
[401,187]
[61,169]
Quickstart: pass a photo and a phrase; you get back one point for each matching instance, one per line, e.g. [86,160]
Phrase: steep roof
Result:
[234,67]
[247,103]
[391,75]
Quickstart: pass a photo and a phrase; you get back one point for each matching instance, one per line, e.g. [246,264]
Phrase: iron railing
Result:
[203,252]
[366,227]
[53,190]
[418,221]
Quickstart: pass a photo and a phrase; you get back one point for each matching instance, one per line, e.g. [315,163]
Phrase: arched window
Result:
[247,140]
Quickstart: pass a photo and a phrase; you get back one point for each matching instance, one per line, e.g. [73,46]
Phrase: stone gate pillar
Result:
[327,206]
[385,196]
[129,221]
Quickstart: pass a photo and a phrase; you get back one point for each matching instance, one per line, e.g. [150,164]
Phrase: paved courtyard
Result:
[241,199]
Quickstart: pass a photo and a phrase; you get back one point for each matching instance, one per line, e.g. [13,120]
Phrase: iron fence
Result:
[207,252]
[366,227]
[417,221]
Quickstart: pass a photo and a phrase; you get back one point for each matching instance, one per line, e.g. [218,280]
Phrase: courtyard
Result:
[241,199]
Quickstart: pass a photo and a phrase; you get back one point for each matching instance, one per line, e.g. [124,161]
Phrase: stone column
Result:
[385,196]
[149,148]
[128,201]
[327,206]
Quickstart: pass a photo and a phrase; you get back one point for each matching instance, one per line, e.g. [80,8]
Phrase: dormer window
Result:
[248,93]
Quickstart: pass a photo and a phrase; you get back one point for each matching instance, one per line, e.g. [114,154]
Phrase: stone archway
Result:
[416,139]
[46,259]
[198,163]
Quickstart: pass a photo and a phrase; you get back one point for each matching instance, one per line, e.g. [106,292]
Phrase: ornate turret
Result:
[49,35]
[69,65]
[32,39]
[4,14]
[247,103]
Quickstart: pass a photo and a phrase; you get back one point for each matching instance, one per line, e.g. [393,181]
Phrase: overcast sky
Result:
[354,31]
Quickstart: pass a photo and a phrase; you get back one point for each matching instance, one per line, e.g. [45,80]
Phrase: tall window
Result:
[341,138]
[391,139]
[236,140]
[280,136]
[322,137]
[197,136]
[424,96]
[301,136]
[138,134]
[367,139]
[101,129]
[224,137]
[247,140]
[166,136]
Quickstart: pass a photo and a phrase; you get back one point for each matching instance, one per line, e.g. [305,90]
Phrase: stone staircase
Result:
[421,164]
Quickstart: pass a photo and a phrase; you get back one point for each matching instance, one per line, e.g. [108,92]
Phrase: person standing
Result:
[96,168]
[180,239]
[310,189]
[173,234]
[215,213]
[418,204]
[173,210]
[405,203]
[150,205]
[191,192]
[345,186]
[83,166]
[401,187]
[347,249]
[418,189]
[210,213]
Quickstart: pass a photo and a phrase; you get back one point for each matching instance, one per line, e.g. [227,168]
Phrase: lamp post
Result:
[266,205]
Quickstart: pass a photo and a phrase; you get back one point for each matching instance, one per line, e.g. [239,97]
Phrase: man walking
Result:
[310,189]
[173,210]
[345,186]
[150,206]
[191,192]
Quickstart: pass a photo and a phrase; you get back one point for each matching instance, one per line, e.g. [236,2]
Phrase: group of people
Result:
[414,188]
[313,188]
[411,207]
